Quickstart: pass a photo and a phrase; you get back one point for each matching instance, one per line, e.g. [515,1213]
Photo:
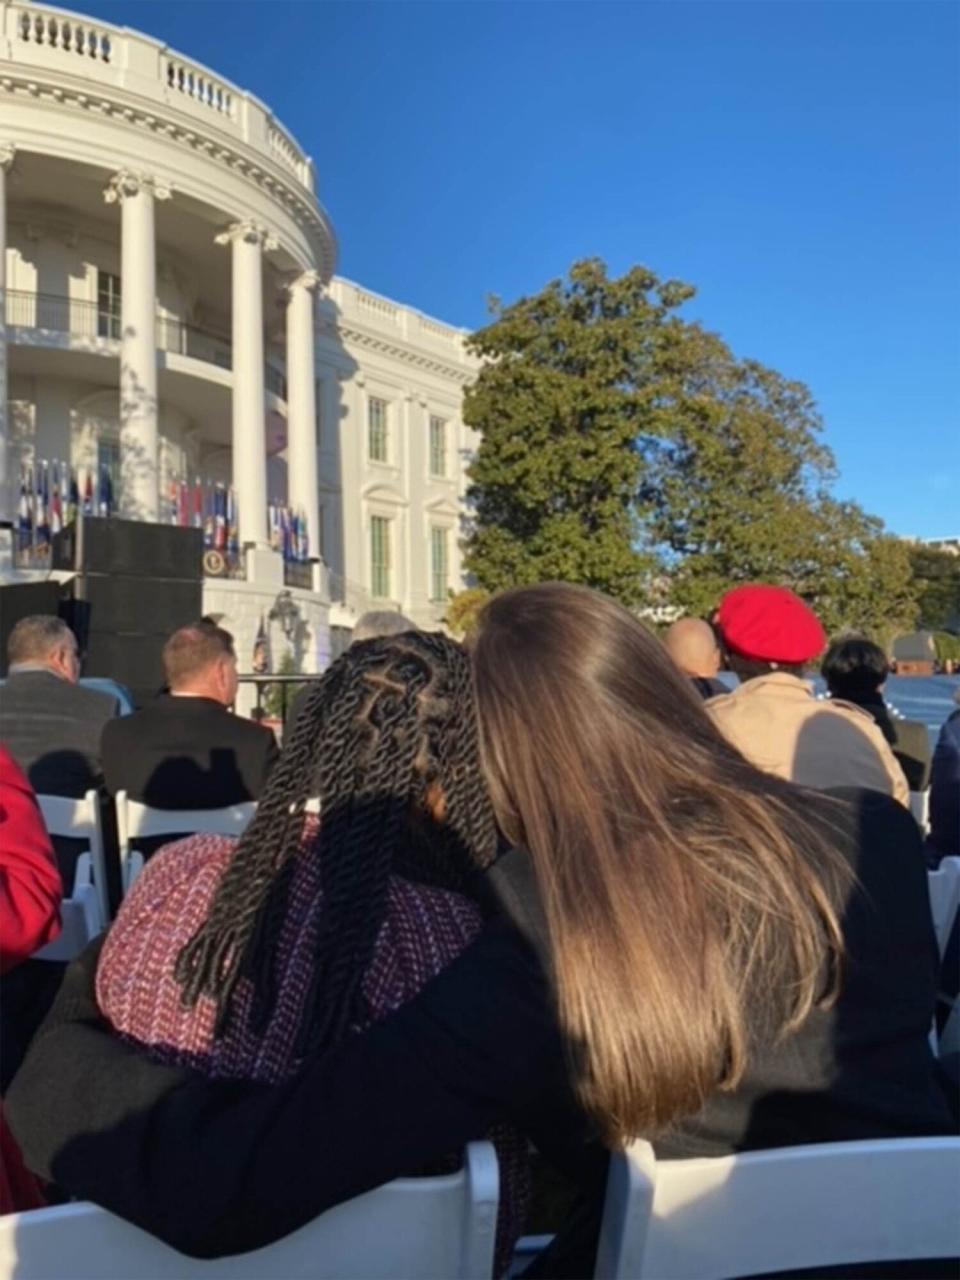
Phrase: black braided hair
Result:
[391,718]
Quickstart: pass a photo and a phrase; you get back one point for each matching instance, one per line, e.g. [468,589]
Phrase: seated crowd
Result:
[561,888]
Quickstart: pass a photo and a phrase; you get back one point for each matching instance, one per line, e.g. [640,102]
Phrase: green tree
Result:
[937,574]
[568,388]
[463,610]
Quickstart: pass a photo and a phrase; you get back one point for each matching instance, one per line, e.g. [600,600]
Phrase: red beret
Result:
[770,624]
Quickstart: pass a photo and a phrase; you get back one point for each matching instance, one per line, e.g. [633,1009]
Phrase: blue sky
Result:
[799,162]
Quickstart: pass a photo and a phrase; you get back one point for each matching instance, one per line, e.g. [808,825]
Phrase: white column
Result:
[249,427]
[7,501]
[139,433]
[302,487]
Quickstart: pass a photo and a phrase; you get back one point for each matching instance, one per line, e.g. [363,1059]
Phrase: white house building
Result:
[171,319]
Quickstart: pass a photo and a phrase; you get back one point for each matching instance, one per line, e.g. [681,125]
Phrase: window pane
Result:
[439,571]
[380,557]
[438,447]
[108,305]
[377,429]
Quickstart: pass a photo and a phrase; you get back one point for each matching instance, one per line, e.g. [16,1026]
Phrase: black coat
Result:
[52,729]
[187,753]
[216,1167]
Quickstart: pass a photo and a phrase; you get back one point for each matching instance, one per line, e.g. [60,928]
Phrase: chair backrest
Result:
[759,1212]
[944,884]
[80,820]
[418,1228]
[81,919]
[137,821]
[920,808]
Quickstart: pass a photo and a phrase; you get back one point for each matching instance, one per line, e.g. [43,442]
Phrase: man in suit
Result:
[51,724]
[855,670]
[187,749]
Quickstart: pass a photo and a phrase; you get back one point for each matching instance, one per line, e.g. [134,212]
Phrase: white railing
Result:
[192,81]
[54,40]
[73,35]
[436,330]
[370,302]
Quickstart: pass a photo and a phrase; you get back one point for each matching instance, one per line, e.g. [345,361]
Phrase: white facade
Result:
[140,194]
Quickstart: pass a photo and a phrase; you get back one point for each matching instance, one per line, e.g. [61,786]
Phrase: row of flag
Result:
[53,493]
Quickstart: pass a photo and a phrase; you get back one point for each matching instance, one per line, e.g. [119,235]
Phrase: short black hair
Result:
[854,666]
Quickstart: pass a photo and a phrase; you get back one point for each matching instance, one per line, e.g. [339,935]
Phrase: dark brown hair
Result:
[692,907]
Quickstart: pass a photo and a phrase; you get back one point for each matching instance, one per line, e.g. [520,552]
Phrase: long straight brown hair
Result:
[691,905]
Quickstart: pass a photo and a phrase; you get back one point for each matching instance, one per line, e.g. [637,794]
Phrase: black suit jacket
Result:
[187,753]
[52,729]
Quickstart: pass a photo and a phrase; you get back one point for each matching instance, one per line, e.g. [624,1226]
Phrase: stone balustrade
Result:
[46,39]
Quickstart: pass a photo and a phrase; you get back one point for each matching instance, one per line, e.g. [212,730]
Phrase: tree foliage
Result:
[624,447]
[937,575]
[463,610]
[567,388]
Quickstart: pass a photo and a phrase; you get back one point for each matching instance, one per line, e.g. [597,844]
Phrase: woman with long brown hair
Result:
[676,946]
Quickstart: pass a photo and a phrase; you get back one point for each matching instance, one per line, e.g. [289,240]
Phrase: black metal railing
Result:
[81,318]
[274,694]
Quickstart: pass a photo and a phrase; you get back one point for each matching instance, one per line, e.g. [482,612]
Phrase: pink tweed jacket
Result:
[423,931]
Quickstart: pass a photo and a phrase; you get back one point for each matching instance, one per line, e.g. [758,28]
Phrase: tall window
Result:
[438,446]
[108,305]
[107,486]
[380,557]
[377,429]
[439,564]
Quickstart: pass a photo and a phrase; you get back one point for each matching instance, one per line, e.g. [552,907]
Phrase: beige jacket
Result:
[781,727]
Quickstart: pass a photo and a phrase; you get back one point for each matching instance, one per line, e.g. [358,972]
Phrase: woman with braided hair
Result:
[238,958]
[677,946]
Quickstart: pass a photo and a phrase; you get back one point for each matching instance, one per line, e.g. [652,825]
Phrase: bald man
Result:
[692,645]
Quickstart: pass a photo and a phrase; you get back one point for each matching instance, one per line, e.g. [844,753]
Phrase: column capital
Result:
[249,232]
[311,281]
[127,182]
[7,153]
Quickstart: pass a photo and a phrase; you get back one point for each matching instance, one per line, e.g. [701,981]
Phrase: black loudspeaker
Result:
[136,583]
[22,600]
[95,545]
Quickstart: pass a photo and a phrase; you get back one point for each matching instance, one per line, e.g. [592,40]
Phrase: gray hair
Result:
[35,638]
[382,622]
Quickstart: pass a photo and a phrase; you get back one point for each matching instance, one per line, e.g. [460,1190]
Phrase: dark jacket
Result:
[52,729]
[221,1167]
[945,790]
[908,739]
[187,753]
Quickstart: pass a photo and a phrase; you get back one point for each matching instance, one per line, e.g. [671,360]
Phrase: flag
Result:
[261,655]
[25,511]
[304,537]
[220,518]
[104,493]
[74,504]
[233,534]
[56,505]
[273,520]
[208,516]
[41,522]
[197,504]
[183,504]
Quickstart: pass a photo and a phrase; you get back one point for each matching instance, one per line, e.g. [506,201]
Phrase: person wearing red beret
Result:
[774,718]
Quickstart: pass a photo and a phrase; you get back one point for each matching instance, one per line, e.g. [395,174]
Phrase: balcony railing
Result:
[81,318]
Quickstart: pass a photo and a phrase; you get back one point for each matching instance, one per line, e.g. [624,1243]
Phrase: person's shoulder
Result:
[850,710]
[103,706]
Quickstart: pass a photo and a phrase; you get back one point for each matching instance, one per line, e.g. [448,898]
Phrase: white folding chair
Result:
[86,912]
[417,1228]
[136,821]
[944,885]
[833,1204]
[920,808]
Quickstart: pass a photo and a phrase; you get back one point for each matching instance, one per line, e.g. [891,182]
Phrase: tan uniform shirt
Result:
[780,726]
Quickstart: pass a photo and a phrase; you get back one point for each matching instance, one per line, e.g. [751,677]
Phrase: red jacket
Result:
[30,888]
[30,893]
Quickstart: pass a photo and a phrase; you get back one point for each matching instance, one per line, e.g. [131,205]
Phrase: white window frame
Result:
[439,581]
[385,424]
[386,567]
[442,472]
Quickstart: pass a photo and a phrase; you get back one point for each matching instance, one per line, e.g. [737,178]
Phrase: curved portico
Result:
[123,271]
